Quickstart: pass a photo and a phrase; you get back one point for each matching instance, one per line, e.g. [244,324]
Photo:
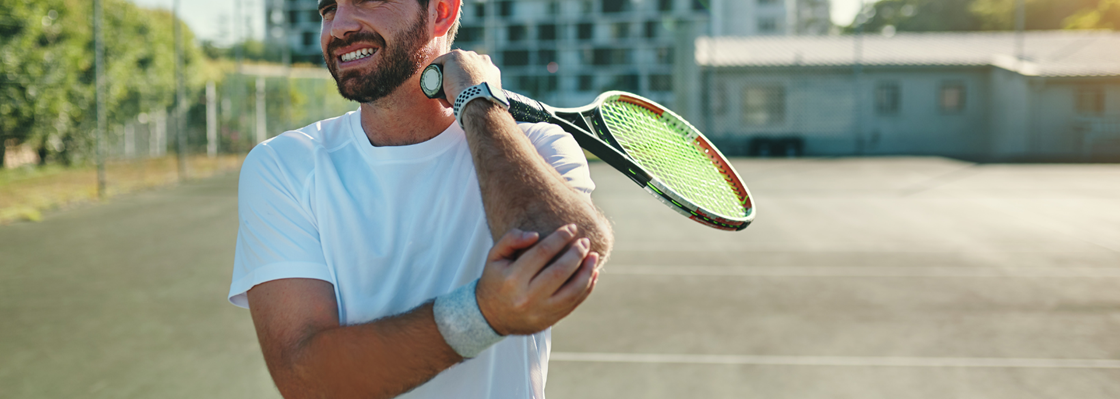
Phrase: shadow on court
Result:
[869,278]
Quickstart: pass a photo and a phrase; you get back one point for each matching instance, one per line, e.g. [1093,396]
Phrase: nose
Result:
[344,21]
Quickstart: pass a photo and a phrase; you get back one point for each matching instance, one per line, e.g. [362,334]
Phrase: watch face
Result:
[431,81]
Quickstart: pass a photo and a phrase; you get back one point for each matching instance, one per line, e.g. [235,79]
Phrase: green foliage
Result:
[977,15]
[921,16]
[1105,16]
[47,75]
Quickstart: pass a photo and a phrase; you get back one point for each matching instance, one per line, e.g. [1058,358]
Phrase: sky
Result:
[212,19]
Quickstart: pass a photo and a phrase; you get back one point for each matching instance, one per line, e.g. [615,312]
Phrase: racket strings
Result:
[665,150]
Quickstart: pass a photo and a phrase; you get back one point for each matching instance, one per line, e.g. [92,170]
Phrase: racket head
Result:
[687,172]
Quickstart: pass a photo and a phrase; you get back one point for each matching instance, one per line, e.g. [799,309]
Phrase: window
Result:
[585,31]
[952,97]
[546,32]
[660,82]
[586,83]
[767,25]
[627,82]
[620,30]
[553,8]
[537,85]
[767,2]
[515,57]
[293,17]
[308,38]
[1089,101]
[701,5]
[664,5]
[505,8]
[664,55]
[545,56]
[314,16]
[888,98]
[764,105]
[613,6]
[610,56]
[480,10]
[651,29]
[516,33]
[470,34]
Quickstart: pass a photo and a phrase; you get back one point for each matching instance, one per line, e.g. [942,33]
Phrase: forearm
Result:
[380,359]
[521,190]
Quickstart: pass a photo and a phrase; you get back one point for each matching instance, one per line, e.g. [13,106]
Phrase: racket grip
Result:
[525,109]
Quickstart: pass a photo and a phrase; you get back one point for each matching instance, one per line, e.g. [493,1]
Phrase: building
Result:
[965,95]
[295,23]
[566,52]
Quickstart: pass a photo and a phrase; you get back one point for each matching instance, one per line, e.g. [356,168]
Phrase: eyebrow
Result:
[324,3]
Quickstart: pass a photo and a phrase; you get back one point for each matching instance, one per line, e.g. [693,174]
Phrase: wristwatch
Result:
[481,90]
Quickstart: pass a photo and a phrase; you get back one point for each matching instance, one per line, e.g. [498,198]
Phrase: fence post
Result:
[99,66]
[211,120]
[262,129]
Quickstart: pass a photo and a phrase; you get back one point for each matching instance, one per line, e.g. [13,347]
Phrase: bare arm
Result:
[310,355]
[519,188]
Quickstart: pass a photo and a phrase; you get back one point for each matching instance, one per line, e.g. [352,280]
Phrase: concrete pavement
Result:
[868,278]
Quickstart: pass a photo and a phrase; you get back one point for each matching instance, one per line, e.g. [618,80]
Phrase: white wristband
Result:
[461,322]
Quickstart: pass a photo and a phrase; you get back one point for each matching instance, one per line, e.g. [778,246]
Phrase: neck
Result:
[405,117]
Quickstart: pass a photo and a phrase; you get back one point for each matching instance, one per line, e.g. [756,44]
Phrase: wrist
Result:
[469,97]
[461,322]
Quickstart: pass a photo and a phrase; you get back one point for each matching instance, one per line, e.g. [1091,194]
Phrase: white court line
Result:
[836,361]
[865,271]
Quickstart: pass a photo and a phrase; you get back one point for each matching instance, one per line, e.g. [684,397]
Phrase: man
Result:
[397,251]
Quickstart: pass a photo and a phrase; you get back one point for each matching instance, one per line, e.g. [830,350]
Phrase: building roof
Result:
[1048,53]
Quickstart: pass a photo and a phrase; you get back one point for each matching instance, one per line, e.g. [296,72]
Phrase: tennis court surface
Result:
[861,278]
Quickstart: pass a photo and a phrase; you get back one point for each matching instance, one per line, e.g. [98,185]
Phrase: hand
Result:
[530,294]
[463,69]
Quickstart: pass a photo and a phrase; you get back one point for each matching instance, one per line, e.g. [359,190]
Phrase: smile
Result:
[357,54]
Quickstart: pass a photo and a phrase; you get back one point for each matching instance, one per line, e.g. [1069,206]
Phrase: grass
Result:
[26,192]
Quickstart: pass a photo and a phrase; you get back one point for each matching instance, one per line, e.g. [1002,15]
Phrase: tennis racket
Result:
[648,143]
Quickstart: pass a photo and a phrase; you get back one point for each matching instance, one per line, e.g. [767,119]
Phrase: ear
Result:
[447,12]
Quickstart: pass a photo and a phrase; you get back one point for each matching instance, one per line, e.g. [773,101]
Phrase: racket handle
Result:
[523,109]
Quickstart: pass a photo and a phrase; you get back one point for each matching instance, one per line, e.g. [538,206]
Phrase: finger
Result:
[587,293]
[577,286]
[532,261]
[559,271]
[515,240]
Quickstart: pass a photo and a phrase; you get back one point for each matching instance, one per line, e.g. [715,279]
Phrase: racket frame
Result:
[587,125]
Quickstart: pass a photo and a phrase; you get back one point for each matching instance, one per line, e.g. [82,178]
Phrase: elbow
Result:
[601,234]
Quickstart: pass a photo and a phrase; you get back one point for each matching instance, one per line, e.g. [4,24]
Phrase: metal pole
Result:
[1020,30]
[99,61]
[181,101]
[262,129]
[211,120]
[857,71]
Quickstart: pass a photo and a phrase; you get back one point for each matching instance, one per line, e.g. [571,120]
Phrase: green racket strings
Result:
[668,155]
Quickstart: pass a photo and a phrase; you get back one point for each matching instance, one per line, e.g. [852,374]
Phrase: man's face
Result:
[372,47]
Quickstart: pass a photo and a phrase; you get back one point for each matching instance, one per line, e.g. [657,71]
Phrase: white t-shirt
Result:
[390,228]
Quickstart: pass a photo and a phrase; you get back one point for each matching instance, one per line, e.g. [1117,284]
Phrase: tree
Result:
[47,72]
[1105,16]
[1041,14]
[921,16]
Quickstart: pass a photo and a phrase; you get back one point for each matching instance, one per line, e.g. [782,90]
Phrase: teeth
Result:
[357,54]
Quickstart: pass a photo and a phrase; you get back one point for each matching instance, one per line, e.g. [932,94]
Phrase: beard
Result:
[395,65]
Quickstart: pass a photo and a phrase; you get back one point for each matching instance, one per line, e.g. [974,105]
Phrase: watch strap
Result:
[481,90]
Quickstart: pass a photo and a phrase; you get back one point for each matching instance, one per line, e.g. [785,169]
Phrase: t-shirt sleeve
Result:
[277,236]
[561,150]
